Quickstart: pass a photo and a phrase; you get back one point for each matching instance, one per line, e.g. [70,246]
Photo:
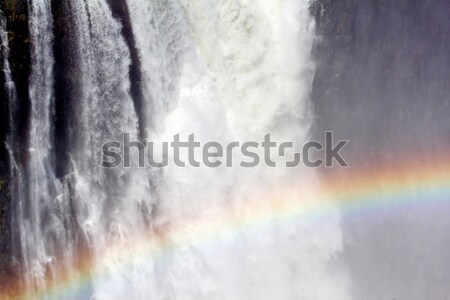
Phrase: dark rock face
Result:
[17,25]
[120,11]
[16,14]
[6,271]
[66,83]
[383,82]
[67,76]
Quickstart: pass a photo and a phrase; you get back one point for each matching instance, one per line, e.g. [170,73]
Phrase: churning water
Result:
[224,70]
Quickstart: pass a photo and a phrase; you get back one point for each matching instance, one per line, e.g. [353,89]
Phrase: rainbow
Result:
[359,192]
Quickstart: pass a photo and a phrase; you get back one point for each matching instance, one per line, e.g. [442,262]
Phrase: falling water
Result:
[224,70]
[16,185]
[9,86]
[9,83]
[110,205]
[37,212]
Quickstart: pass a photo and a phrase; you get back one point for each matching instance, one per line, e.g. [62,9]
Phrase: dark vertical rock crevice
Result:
[16,15]
[68,87]
[66,84]
[120,11]
[68,80]
[4,118]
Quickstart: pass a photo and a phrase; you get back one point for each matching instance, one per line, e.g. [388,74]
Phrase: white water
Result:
[9,83]
[105,112]
[10,86]
[37,209]
[224,70]
[110,204]
[242,69]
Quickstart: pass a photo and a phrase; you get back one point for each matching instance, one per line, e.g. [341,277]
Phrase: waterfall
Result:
[16,184]
[9,83]
[41,212]
[110,206]
[36,213]
[237,71]
[229,70]
[10,88]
